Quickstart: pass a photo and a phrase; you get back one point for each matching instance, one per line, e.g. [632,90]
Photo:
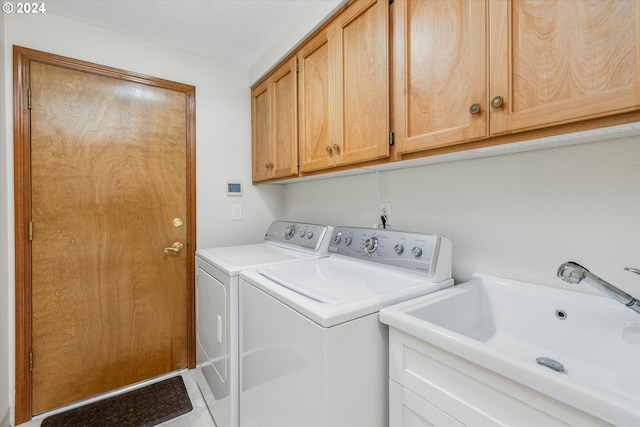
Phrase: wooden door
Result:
[362,82]
[440,71]
[558,61]
[109,162]
[316,97]
[285,120]
[261,132]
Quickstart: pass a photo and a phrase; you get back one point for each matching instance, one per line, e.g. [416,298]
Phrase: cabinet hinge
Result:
[390,1]
[29,98]
[297,68]
[31,361]
[392,138]
[298,161]
[30,230]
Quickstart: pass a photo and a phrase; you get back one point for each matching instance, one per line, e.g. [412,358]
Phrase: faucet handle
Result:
[633,270]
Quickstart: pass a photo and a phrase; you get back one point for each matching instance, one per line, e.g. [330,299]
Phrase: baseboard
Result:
[6,419]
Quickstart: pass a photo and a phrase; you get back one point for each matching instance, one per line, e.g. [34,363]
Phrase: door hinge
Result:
[29,98]
[392,138]
[30,230]
[31,361]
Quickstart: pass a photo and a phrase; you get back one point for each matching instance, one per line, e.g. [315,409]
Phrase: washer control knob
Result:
[371,245]
[337,239]
[302,233]
[290,231]
[398,248]
[309,234]
[416,251]
[347,241]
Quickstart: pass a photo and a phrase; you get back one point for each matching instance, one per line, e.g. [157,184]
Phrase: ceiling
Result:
[236,32]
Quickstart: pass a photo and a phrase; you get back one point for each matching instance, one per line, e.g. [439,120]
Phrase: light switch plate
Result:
[236,212]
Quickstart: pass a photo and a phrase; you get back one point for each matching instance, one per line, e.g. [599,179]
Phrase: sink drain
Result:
[561,314]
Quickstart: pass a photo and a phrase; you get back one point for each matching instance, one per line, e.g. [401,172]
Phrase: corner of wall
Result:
[5,129]
[313,17]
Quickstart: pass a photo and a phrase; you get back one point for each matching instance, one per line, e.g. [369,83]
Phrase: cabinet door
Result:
[261,131]
[316,96]
[362,82]
[285,120]
[440,71]
[558,61]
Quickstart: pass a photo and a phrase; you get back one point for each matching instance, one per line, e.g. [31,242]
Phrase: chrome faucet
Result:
[574,273]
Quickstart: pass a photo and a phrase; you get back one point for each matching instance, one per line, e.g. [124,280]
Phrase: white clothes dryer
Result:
[312,349]
[217,276]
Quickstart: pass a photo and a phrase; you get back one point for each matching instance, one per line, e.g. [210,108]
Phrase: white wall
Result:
[517,215]
[5,330]
[222,132]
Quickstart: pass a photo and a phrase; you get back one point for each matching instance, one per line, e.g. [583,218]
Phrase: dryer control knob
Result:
[309,234]
[416,251]
[398,248]
[347,240]
[337,238]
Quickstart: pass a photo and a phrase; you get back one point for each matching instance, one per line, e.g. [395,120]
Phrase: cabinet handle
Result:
[474,109]
[268,165]
[497,102]
[336,148]
[328,149]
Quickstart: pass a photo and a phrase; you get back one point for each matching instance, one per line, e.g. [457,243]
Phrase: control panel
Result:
[413,251]
[297,235]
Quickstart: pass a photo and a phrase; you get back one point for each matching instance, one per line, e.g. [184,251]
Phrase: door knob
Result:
[176,247]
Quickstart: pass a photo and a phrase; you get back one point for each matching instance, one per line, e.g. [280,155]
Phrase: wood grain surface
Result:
[108,165]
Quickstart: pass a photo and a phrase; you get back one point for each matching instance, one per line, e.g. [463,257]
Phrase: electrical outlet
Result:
[385,210]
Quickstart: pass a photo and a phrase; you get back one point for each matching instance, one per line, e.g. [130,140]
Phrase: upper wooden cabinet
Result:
[274,125]
[440,72]
[550,62]
[317,102]
[560,61]
[344,90]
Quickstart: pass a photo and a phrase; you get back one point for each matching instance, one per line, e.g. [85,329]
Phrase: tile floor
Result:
[198,417]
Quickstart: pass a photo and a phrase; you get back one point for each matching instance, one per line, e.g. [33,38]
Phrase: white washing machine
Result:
[313,352]
[217,273]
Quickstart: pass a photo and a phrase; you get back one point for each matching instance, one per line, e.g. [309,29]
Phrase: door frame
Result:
[22,58]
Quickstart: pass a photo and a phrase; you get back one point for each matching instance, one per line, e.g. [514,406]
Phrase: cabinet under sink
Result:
[496,351]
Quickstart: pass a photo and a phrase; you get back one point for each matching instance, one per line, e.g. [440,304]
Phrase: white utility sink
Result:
[505,325]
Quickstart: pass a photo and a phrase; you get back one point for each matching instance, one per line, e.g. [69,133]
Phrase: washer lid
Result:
[334,290]
[337,281]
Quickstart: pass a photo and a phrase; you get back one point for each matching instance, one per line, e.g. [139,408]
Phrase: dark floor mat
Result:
[146,406]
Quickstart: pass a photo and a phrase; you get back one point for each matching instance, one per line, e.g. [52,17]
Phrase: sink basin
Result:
[505,325]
